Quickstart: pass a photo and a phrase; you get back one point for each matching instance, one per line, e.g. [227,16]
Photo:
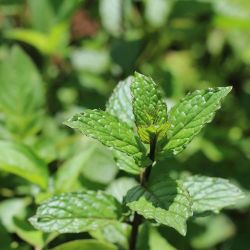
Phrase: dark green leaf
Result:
[163,200]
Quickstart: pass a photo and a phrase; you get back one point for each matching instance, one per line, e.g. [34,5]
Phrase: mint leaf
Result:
[163,200]
[110,131]
[119,187]
[149,108]
[126,163]
[18,159]
[117,234]
[120,102]
[21,93]
[85,245]
[190,115]
[211,194]
[77,212]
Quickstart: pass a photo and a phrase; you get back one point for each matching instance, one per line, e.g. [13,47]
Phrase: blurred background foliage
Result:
[58,57]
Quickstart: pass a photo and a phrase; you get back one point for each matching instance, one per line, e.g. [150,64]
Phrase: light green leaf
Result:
[18,159]
[149,108]
[26,232]
[163,200]
[100,167]
[35,38]
[119,187]
[90,60]
[85,245]
[47,43]
[77,212]
[211,194]
[69,172]
[21,94]
[111,15]
[110,131]
[212,230]
[117,234]
[120,102]
[150,239]
[126,163]
[156,241]
[161,7]
[190,115]
[10,209]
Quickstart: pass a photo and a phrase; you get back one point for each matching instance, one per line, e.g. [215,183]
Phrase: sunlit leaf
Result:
[77,212]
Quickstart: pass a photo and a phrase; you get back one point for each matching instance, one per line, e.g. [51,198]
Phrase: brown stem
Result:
[144,177]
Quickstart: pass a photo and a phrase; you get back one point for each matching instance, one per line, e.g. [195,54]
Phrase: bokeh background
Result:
[59,57]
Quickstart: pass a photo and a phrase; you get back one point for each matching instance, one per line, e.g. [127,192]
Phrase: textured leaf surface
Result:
[76,212]
[85,245]
[211,194]
[149,108]
[190,115]
[164,200]
[20,160]
[120,102]
[110,131]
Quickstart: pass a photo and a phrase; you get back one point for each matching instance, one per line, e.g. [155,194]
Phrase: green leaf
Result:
[126,163]
[161,7]
[47,43]
[119,187]
[26,232]
[120,102]
[100,167]
[163,200]
[42,15]
[150,239]
[190,115]
[117,234]
[211,194]
[149,108]
[18,159]
[110,131]
[10,209]
[5,238]
[211,231]
[111,15]
[77,212]
[85,245]
[21,94]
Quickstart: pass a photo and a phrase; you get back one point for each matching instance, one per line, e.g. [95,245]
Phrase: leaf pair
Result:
[163,200]
[138,102]
[171,202]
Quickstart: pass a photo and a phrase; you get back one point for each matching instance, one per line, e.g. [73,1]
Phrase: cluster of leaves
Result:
[61,57]
[162,199]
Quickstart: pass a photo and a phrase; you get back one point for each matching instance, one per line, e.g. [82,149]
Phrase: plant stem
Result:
[144,177]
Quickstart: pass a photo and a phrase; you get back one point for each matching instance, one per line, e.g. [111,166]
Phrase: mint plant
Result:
[140,131]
